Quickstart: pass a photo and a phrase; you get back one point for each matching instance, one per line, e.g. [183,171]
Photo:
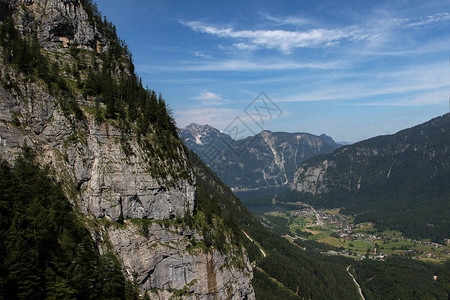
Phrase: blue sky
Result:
[350,69]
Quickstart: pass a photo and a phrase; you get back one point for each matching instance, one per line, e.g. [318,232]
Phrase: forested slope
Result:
[398,181]
[313,275]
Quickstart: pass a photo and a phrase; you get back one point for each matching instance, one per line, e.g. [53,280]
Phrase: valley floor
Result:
[339,235]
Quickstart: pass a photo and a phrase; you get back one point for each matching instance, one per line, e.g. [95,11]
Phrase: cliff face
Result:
[174,263]
[88,157]
[108,174]
[57,24]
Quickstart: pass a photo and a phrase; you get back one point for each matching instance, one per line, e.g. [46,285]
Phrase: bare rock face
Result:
[59,24]
[165,261]
[89,157]
[119,184]
[312,178]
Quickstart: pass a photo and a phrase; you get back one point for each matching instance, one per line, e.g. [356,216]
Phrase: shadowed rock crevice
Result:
[211,274]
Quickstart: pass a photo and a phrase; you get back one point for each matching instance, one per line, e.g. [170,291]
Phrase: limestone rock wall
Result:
[164,260]
[89,158]
[58,23]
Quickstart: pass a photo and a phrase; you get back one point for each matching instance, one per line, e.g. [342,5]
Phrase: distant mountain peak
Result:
[199,126]
[327,139]
[265,160]
[203,135]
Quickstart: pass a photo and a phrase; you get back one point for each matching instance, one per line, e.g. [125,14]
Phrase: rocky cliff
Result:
[88,153]
[58,24]
[89,158]
[111,174]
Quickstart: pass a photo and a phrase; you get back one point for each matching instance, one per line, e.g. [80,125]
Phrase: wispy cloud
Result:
[431,19]
[436,46]
[247,47]
[296,21]
[439,97]
[201,54]
[206,95]
[358,91]
[242,65]
[427,78]
[209,98]
[283,40]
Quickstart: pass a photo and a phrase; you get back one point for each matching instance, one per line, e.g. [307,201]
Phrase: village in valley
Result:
[339,235]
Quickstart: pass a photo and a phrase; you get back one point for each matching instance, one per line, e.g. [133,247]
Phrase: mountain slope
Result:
[311,275]
[286,269]
[398,181]
[69,92]
[264,162]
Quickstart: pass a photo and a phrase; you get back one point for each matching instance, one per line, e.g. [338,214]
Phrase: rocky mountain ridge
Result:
[314,176]
[259,163]
[114,172]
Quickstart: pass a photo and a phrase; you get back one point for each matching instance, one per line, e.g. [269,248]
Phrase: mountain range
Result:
[259,164]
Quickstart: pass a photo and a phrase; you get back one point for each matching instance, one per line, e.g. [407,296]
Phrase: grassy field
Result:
[332,241]
[366,229]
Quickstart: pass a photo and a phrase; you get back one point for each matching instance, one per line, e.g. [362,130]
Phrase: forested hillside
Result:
[310,274]
[397,181]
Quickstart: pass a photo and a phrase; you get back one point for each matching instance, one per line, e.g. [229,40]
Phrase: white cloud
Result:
[283,40]
[354,91]
[427,78]
[209,98]
[206,95]
[243,46]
